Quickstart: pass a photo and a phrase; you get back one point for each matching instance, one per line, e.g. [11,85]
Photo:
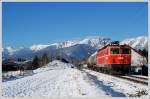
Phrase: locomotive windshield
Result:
[125,51]
[114,51]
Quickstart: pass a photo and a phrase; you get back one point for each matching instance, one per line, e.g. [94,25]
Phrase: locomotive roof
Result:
[115,45]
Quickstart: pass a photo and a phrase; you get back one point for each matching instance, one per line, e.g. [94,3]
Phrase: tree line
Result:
[36,62]
[40,61]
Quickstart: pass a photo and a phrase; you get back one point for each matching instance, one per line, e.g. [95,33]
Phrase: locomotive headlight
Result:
[106,57]
[121,58]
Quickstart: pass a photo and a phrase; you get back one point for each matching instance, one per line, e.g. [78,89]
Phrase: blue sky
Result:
[25,24]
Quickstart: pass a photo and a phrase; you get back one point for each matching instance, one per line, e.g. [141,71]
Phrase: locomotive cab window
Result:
[114,51]
[125,51]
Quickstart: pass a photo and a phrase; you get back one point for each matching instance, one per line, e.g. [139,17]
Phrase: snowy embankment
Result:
[58,79]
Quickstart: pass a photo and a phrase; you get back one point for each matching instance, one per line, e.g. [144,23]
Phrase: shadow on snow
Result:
[107,89]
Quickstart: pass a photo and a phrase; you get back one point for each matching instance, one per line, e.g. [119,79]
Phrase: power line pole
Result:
[105,41]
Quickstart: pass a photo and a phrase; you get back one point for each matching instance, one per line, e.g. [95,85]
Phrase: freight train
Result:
[111,59]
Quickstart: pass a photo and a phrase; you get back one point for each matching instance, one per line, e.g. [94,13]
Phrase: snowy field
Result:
[58,79]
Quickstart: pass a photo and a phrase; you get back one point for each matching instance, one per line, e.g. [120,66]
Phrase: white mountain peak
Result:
[38,47]
[69,46]
[138,42]
[10,49]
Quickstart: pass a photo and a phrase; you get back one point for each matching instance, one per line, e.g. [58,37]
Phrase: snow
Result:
[78,52]
[94,42]
[9,50]
[117,84]
[12,75]
[38,47]
[58,79]
[141,76]
[138,42]
[143,80]
[55,82]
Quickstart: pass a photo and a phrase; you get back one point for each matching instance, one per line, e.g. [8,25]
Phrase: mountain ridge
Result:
[81,46]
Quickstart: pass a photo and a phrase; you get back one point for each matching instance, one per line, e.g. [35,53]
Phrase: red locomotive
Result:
[113,59]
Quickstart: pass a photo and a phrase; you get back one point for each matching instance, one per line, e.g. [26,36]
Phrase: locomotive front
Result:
[114,59]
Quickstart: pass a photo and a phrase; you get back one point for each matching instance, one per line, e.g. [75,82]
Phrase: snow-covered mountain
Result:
[137,43]
[8,50]
[77,46]
[94,41]
[38,47]
[70,50]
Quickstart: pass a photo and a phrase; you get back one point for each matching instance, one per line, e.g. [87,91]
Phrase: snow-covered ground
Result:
[114,85]
[59,79]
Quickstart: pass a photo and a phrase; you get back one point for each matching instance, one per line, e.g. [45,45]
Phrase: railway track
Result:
[135,79]
[145,78]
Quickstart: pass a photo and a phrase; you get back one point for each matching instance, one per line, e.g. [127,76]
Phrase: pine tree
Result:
[19,59]
[59,54]
[45,59]
[35,62]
